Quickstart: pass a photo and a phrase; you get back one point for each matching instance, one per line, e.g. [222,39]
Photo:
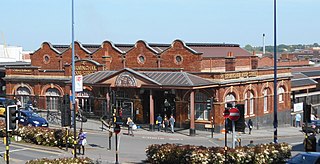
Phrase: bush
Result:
[41,135]
[62,160]
[172,153]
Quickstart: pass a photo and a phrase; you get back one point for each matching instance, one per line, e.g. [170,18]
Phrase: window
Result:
[230,99]
[141,59]
[200,106]
[46,59]
[249,103]
[23,94]
[178,59]
[265,100]
[76,57]
[84,101]
[52,99]
[281,94]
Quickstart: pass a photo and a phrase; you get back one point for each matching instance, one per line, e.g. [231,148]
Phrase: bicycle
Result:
[54,118]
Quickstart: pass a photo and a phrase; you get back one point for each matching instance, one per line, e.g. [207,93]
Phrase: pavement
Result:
[265,132]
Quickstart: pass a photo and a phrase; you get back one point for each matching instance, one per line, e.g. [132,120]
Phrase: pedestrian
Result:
[310,143]
[251,144]
[18,103]
[298,119]
[158,122]
[172,121]
[250,125]
[130,125]
[165,123]
[82,141]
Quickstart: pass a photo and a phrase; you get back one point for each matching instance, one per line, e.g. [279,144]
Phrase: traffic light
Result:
[12,117]
[306,113]
[66,112]
[209,103]
[240,123]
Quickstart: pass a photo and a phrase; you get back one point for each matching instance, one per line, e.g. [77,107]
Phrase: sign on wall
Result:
[298,107]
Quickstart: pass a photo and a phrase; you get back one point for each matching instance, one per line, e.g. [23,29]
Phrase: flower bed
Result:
[41,135]
[264,153]
[62,160]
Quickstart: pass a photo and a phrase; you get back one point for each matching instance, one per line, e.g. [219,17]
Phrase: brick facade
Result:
[234,72]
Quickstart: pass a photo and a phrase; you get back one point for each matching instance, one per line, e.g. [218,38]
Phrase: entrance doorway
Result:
[164,103]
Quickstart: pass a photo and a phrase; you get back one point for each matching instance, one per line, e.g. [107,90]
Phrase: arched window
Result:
[230,99]
[52,99]
[23,94]
[281,94]
[200,106]
[265,100]
[249,103]
[85,100]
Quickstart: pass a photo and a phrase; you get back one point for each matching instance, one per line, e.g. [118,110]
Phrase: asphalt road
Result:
[131,149]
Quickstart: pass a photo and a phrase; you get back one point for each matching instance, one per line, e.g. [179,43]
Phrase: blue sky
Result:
[28,23]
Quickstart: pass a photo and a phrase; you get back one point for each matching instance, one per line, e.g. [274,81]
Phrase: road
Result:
[132,149]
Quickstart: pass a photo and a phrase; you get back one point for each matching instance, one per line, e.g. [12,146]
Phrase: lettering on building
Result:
[238,75]
[84,69]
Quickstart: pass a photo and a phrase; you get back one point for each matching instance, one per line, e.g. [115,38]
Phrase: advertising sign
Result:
[78,83]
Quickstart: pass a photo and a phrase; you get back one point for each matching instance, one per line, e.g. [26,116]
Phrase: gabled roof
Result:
[162,79]
[178,79]
[97,76]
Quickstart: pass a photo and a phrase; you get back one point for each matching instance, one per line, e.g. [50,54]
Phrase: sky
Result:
[29,23]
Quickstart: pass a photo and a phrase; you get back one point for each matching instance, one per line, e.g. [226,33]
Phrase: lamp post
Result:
[275,102]
[73,88]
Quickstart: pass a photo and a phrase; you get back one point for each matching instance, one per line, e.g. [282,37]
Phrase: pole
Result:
[225,141]
[275,113]
[73,89]
[117,159]
[233,129]
[7,145]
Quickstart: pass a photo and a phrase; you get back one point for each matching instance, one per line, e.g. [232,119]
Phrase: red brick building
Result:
[147,79]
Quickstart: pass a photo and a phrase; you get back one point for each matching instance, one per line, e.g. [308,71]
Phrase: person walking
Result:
[165,123]
[251,144]
[130,125]
[298,119]
[159,121]
[250,125]
[82,141]
[172,121]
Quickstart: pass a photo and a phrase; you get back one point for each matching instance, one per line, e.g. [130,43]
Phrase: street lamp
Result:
[73,88]
[275,102]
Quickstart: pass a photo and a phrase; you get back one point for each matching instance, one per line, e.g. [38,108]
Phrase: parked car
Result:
[305,158]
[30,118]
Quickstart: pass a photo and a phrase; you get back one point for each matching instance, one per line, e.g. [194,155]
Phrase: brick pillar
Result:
[107,62]
[192,112]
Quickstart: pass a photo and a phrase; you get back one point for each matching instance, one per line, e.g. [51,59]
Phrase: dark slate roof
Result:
[182,79]
[177,79]
[61,48]
[91,47]
[219,50]
[312,73]
[17,63]
[300,80]
[97,76]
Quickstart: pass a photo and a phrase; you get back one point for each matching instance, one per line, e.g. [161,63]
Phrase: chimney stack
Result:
[230,62]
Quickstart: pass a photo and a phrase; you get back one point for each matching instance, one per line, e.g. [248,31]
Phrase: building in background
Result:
[147,79]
